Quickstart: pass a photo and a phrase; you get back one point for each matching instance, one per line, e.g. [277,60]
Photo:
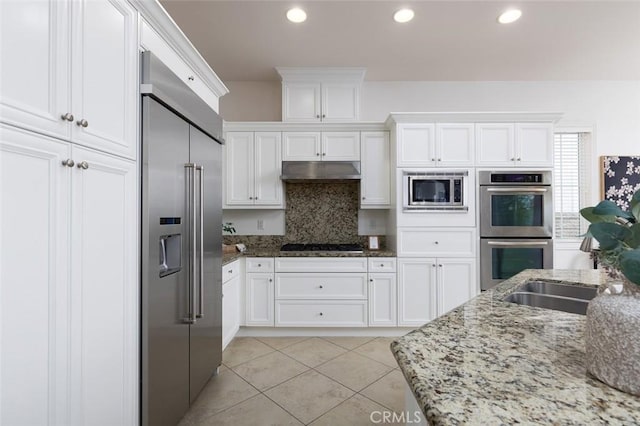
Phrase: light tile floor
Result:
[331,381]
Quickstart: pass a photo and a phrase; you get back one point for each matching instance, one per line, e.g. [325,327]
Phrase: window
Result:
[572,152]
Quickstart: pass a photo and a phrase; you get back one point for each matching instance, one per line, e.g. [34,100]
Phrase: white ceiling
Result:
[447,40]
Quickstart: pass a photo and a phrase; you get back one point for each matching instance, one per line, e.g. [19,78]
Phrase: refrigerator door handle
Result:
[200,171]
[191,214]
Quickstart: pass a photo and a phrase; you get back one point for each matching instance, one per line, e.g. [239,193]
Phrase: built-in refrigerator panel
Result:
[206,333]
[181,312]
[165,299]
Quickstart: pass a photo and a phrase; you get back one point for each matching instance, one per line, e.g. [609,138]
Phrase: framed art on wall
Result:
[620,178]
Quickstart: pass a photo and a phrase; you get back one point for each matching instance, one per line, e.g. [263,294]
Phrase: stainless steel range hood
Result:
[320,171]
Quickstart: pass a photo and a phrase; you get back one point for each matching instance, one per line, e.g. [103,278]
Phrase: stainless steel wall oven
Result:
[516,223]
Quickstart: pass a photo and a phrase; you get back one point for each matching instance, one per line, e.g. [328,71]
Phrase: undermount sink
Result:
[548,295]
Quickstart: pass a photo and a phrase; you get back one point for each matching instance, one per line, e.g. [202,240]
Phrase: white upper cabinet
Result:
[36,96]
[434,145]
[321,146]
[321,95]
[416,145]
[104,76]
[375,168]
[92,102]
[534,144]
[455,144]
[515,145]
[252,170]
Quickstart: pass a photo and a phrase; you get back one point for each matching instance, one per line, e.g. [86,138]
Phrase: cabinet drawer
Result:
[382,264]
[259,264]
[321,264]
[436,242]
[321,286]
[312,313]
[230,271]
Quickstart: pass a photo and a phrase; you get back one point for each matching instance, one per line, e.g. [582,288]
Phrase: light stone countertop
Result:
[493,362]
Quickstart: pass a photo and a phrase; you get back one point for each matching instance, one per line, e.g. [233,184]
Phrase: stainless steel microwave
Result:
[432,190]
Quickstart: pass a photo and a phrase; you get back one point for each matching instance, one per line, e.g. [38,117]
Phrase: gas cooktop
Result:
[345,248]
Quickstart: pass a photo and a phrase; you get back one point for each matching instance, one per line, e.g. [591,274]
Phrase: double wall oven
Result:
[516,224]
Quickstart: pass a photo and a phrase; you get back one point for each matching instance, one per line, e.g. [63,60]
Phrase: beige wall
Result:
[252,101]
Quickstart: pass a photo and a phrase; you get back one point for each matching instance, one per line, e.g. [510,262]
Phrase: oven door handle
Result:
[514,243]
[518,189]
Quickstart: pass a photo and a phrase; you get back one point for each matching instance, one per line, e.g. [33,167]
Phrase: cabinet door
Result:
[230,310]
[268,168]
[34,92]
[456,283]
[104,290]
[534,144]
[104,67]
[301,102]
[260,300]
[416,145]
[455,144]
[34,284]
[301,146]
[341,146]
[382,300]
[340,102]
[495,144]
[416,291]
[238,169]
[374,185]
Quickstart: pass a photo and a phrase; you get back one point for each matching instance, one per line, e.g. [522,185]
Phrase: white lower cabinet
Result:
[259,303]
[382,300]
[70,247]
[230,301]
[430,287]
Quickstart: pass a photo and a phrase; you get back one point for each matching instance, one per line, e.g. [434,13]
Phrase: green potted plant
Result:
[612,329]
[228,229]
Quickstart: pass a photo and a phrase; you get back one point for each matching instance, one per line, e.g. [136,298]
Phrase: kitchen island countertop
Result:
[494,362]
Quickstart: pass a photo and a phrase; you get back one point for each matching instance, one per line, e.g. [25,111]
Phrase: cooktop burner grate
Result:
[351,248]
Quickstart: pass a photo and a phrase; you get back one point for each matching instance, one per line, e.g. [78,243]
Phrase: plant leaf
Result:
[630,265]
[588,214]
[633,240]
[635,210]
[609,208]
[609,235]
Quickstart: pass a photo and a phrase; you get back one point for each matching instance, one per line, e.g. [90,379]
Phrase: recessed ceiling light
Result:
[403,15]
[509,16]
[296,15]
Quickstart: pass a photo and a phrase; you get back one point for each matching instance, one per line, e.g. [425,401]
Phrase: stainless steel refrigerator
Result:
[181,244]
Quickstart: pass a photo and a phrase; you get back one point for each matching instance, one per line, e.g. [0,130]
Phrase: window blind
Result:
[571,183]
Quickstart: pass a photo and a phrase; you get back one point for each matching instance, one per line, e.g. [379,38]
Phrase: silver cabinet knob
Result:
[270,280]
[370,280]
[68,162]
[435,242]
[321,287]
[255,198]
[324,116]
[321,314]
[231,271]
[439,159]
[440,265]
[83,123]
[68,116]
[317,154]
[433,159]
[259,265]
[190,78]
[434,265]
[513,159]
[518,159]
[317,115]
[251,198]
[83,165]
[382,265]
[324,153]
[364,198]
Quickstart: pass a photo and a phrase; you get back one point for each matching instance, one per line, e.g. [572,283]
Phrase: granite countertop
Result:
[494,362]
[275,252]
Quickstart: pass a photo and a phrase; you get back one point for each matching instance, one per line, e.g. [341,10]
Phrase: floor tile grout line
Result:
[294,343]
[349,349]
